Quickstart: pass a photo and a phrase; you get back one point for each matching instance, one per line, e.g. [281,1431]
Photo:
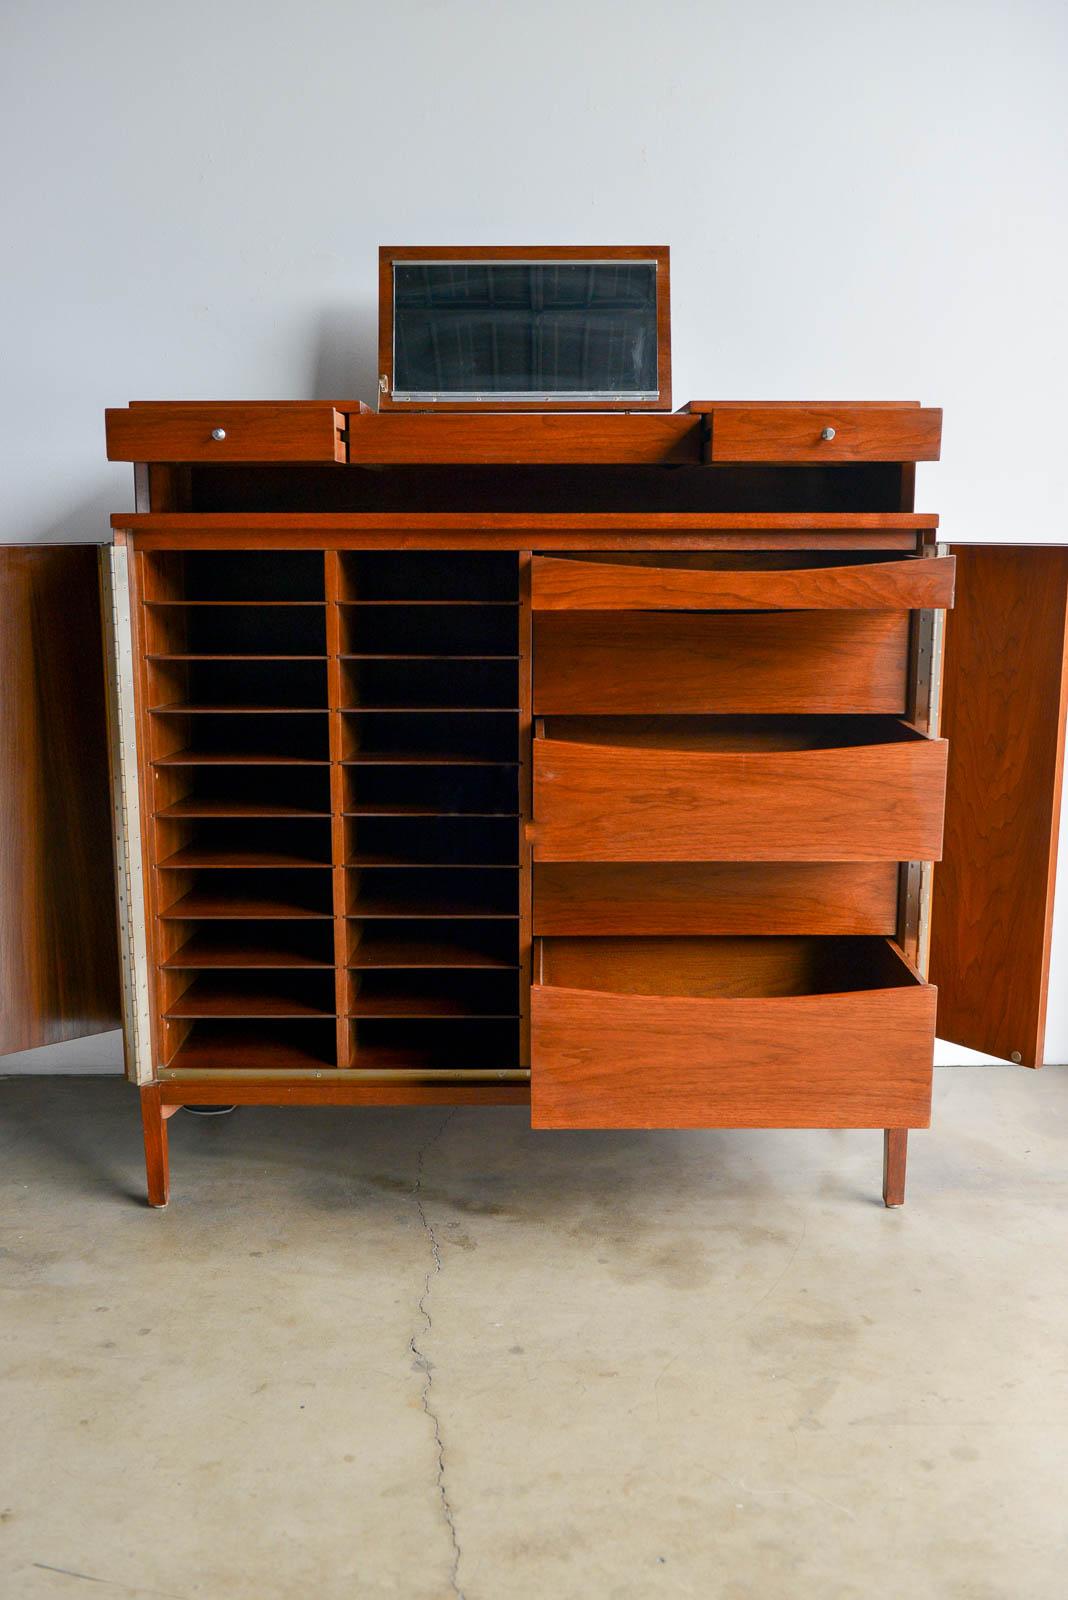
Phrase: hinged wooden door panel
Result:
[59,976]
[1003,715]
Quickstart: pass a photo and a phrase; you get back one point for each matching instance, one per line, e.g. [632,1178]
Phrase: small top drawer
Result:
[297,431]
[817,433]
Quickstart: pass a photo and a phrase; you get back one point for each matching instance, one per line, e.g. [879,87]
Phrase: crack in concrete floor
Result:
[423,1362]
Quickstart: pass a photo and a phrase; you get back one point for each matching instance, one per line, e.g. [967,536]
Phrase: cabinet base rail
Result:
[159,1102]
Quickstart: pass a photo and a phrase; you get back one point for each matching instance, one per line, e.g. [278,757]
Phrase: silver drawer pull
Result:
[220,433]
[828,433]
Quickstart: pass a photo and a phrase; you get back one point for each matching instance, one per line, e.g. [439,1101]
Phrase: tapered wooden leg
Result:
[157,1163]
[895,1154]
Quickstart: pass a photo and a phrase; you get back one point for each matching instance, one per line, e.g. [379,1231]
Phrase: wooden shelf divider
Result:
[524,742]
[335,695]
[434,952]
[240,837]
[259,967]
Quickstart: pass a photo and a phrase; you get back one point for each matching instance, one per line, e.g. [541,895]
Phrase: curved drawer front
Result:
[700,583]
[768,662]
[656,796]
[683,1033]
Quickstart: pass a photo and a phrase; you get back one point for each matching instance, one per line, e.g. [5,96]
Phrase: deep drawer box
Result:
[685,1033]
[768,662]
[679,789]
[740,897]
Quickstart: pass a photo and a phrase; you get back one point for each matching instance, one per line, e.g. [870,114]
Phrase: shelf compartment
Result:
[430,791]
[228,575]
[737,789]
[482,1044]
[441,577]
[280,1046]
[190,793]
[276,844]
[429,738]
[232,757]
[451,996]
[708,1032]
[429,685]
[209,628]
[431,944]
[435,892]
[430,630]
[420,842]
[219,792]
[189,656]
[300,996]
[233,685]
[215,858]
[234,895]
[210,739]
[250,945]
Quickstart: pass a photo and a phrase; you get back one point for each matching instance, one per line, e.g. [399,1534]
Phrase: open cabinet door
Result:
[59,970]
[1003,712]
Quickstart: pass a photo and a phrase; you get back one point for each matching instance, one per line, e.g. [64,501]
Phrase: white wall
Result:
[862,200]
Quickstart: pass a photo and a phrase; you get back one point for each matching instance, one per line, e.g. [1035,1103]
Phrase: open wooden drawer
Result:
[731,789]
[707,1032]
[746,581]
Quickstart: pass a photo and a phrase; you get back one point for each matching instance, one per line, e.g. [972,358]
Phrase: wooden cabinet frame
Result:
[732,556]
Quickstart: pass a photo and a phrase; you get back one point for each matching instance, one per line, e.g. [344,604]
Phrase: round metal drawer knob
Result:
[218,433]
[828,433]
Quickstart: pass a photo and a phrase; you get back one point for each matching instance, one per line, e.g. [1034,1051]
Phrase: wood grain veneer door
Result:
[1003,714]
[59,975]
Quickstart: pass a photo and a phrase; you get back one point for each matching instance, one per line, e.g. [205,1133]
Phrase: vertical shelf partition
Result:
[337,830]
[427,724]
[236,705]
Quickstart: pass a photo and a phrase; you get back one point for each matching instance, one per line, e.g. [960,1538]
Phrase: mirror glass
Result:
[524,330]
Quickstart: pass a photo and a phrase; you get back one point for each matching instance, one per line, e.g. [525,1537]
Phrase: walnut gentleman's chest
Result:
[591,761]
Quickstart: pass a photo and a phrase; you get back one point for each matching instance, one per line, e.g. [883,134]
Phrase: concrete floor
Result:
[389,1354]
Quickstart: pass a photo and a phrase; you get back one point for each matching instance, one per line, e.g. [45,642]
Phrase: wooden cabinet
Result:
[586,762]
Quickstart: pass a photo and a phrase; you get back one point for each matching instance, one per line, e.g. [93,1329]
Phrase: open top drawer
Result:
[707,1032]
[836,431]
[249,430]
[750,581]
[733,789]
